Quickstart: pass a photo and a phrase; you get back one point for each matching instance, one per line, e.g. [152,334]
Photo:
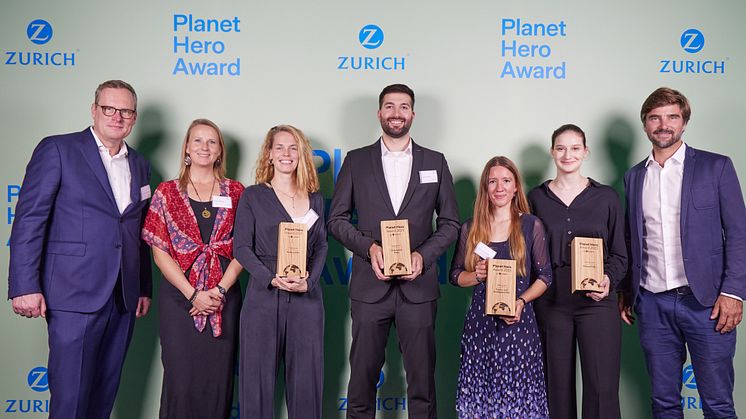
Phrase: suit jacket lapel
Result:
[135,181]
[91,155]
[414,178]
[639,181]
[686,188]
[378,177]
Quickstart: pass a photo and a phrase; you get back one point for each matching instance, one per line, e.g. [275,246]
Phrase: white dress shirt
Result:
[661,233]
[397,168]
[118,171]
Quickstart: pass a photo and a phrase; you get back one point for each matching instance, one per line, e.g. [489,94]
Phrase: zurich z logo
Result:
[371,36]
[687,378]
[38,379]
[692,41]
[39,32]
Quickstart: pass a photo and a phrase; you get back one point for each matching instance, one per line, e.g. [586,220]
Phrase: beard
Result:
[396,132]
[664,143]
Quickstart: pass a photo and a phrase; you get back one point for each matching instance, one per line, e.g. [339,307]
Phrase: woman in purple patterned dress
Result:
[501,373]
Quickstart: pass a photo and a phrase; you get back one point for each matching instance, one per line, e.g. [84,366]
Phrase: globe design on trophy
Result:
[292,270]
[500,307]
[397,268]
[588,283]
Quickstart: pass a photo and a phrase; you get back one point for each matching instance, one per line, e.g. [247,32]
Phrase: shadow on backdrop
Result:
[618,142]
[452,306]
[141,354]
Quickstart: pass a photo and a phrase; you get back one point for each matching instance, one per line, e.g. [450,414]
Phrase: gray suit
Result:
[361,188]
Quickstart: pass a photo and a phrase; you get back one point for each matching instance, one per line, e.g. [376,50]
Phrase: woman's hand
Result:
[519,304]
[480,271]
[598,296]
[204,304]
[297,284]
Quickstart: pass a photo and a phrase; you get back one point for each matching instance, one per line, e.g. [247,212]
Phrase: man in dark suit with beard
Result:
[394,178]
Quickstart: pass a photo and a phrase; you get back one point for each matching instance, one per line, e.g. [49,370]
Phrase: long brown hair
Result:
[218,167]
[483,209]
[305,174]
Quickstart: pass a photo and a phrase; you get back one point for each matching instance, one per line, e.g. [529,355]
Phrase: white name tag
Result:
[145,192]
[222,201]
[310,218]
[428,176]
[484,251]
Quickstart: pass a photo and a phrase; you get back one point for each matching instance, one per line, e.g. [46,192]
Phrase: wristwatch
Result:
[221,290]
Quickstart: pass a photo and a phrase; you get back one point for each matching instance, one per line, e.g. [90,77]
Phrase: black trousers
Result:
[415,329]
[570,322]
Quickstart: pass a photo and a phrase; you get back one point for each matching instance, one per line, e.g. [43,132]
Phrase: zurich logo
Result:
[38,379]
[39,32]
[380,380]
[692,41]
[687,377]
[371,36]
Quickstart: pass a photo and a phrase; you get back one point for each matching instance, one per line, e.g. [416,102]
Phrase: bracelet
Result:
[221,290]
[524,301]
[194,296]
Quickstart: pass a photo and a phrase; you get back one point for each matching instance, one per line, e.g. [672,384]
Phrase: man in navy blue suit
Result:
[76,257]
[686,224]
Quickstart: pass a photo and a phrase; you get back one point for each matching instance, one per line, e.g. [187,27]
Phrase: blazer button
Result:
[118,246]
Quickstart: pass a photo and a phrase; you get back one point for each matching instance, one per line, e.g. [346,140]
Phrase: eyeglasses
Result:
[110,111]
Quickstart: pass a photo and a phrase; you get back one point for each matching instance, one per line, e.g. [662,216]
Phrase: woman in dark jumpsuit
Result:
[572,205]
[282,319]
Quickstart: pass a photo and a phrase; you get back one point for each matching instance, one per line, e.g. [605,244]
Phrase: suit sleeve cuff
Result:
[731,296]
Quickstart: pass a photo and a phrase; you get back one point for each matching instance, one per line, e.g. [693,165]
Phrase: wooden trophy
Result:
[291,249]
[397,256]
[500,292]
[587,264]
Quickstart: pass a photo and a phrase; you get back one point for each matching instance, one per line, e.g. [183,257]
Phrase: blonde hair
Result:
[305,174]
[481,223]
[219,165]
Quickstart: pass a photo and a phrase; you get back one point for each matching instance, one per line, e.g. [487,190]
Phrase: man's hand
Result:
[625,310]
[30,305]
[416,267]
[598,296]
[376,261]
[143,306]
[728,311]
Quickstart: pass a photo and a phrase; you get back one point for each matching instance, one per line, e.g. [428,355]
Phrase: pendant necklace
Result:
[205,212]
[292,197]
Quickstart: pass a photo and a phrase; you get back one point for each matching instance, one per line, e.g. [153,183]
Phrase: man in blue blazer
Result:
[76,257]
[686,224]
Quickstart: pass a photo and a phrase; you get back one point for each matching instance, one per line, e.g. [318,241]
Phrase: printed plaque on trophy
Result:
[587,264]
[500,292]
[397,257]
[291,249]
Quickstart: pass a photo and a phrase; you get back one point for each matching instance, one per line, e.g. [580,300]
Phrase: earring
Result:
[188,160]
[217,162]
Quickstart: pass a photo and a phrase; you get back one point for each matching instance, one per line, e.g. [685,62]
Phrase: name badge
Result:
[484,251]
[310,218]
[428,176]
[145,192]
[222,201]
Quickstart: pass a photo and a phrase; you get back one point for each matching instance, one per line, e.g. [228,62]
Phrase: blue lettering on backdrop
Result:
[371,37]
[12,192]
[692,41]
[40,32]
[520,57]
[210,51]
